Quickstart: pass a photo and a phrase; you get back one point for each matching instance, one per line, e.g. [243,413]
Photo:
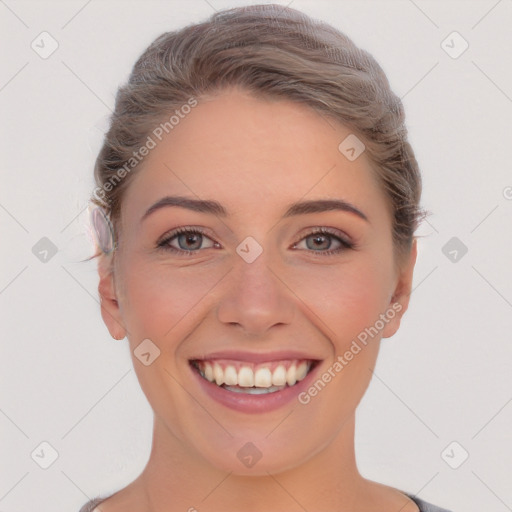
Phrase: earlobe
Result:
[110,311]
[402,293]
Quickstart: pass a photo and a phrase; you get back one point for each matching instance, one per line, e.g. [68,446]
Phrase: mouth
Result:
[247,378]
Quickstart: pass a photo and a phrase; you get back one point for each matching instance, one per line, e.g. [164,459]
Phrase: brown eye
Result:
[321,242]
[186,241]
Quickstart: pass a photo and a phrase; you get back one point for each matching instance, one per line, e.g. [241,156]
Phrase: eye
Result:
[320,241]
[189,240]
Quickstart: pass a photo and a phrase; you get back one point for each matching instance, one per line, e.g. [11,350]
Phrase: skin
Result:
[255,156]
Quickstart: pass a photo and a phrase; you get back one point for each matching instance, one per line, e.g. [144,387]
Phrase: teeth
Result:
[230,376]
[291,375]
[218,374]
[245,377]
[279,376]
[208,372]
[253,379]
[254,391]
[302,370]
[263,378]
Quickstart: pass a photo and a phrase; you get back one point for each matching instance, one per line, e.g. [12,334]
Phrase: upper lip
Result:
[256,357]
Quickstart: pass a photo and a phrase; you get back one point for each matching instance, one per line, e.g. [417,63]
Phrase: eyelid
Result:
[164,241]
[345,241]
[328,231]
[184,229]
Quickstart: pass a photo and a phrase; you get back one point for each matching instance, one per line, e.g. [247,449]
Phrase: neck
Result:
[176,478]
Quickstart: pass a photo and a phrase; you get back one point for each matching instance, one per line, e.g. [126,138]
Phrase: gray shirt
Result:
[422,505]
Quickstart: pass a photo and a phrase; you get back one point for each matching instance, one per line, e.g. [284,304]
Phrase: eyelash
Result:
[164,244]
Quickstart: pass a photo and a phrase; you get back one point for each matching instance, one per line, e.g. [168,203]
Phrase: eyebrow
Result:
[215,208]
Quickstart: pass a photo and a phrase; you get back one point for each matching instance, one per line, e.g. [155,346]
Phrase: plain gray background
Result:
[443,385]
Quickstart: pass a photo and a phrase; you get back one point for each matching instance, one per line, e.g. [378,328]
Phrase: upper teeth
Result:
[260,376]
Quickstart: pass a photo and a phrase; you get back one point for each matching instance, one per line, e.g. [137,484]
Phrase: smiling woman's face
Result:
[223,305]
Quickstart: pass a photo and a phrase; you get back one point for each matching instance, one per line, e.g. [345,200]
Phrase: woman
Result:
[257,202]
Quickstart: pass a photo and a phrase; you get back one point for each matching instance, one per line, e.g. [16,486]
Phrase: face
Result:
[268,301]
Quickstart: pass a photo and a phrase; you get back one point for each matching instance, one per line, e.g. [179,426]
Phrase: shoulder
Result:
[425,506]
[393,499]
[130,498]
[91,506]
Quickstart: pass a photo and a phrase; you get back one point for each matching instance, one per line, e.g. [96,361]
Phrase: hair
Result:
[272,52]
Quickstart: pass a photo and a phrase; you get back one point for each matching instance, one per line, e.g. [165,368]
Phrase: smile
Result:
[255,379]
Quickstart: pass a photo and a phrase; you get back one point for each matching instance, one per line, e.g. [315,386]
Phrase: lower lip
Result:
[244,402]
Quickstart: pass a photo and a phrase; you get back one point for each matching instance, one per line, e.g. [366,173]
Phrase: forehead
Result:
[242,150]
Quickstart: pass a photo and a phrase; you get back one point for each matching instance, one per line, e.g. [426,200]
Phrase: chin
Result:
[256,458]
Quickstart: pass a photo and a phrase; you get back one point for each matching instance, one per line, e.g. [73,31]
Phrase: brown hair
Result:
[271,51]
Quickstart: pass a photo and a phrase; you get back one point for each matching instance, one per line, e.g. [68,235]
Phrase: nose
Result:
[256,297]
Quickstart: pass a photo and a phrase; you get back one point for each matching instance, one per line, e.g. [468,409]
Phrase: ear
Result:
[110,310]
[400,299]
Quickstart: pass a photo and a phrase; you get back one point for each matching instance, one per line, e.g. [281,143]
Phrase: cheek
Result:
[346,298]
[157,296]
